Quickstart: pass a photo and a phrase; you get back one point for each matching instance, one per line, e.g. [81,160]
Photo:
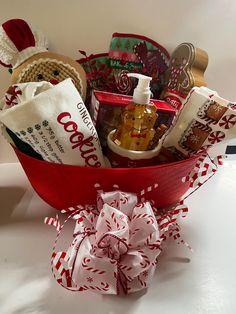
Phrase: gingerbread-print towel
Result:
[205,121]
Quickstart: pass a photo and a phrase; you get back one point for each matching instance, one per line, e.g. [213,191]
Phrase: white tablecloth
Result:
[185,282]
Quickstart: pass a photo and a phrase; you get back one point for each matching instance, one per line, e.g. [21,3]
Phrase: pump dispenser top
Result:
[142,92]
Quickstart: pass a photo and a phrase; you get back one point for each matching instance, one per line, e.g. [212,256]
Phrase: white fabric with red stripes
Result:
[115,245]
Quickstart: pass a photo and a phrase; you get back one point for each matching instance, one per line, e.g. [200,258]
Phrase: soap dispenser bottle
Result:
[138,118]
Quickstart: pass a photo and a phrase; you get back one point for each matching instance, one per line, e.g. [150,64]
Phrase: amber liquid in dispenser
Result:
[136,130]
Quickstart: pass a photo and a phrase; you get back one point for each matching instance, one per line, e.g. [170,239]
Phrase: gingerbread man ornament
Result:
[186,70]
[26,52]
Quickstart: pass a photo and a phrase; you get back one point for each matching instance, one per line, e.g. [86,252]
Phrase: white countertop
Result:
[185,282]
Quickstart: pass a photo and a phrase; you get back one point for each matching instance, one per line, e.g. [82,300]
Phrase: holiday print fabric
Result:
[205,121]
[128,53]
[115,245]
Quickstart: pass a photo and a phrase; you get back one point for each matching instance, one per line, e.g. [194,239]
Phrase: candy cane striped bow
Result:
[115,246]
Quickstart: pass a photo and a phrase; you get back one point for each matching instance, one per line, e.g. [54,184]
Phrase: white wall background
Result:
[88,25]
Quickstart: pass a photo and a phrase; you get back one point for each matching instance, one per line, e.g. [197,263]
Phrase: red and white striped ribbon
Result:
[203,169]
[165,220]
[169,228]
[59,260]
[148,189]
[53,222]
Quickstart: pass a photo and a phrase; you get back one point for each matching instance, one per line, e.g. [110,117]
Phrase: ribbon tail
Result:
[61,272]
[54,222]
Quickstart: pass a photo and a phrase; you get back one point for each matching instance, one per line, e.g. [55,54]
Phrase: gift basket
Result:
[115,141]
